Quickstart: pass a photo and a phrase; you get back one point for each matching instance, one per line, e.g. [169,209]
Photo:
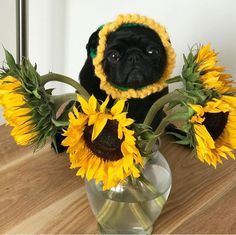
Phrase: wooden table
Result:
[40,194]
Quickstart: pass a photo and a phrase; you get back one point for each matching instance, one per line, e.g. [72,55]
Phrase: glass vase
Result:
[133,206]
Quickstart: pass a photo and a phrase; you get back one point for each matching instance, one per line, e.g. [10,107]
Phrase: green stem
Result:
[161,128]
[159,131]
[160,200]
[113,210]
[148,184]
[149,146]
[64,79]
[107,211]
[159,104]
[140,215]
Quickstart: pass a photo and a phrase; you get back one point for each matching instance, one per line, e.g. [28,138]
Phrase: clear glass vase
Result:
[133,206]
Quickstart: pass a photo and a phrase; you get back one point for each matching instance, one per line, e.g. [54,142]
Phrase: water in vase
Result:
[131,207]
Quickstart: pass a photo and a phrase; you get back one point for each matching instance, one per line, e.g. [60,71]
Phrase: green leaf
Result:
[10,60]
[179,136]
[59,123]
[190,58]
[37,95]
[43,124]
[182,115]
[174,103]
[193,77]
[174,79]
[185,59]
[141,128]
[148,136]
[44,110]
[199,95]
[187,72]
[54,142]
[186,127]
[183,142]
[192,98]
[35,67]
[49,91]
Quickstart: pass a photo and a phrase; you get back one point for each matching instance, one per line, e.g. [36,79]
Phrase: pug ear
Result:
[92,44]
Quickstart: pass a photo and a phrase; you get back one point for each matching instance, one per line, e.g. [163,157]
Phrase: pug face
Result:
[134,57]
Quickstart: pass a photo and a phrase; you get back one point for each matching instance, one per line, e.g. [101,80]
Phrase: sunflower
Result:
[100,143]
[214,128]
[99,57]
[16,112]
[27,106]
[212,76]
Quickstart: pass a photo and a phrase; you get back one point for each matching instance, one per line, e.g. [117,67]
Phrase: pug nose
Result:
[134,58]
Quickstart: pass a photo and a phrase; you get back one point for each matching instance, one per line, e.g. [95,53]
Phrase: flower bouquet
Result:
[127,179]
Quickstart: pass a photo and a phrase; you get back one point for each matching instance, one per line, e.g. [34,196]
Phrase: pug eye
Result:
[153,51]
[114,56]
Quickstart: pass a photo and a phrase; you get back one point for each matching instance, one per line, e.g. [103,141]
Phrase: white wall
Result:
[47,36]
[187,22]
[7,32]
[7,27]
[59,29]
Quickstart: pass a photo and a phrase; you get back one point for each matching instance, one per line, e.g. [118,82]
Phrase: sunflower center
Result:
[215,123]
[106,145]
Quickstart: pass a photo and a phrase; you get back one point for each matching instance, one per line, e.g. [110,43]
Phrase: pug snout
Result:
[135,78]
[134,58]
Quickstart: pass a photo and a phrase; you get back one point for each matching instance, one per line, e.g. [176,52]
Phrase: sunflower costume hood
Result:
[129,20]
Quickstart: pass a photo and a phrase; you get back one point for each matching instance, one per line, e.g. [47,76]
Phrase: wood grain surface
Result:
[40,194]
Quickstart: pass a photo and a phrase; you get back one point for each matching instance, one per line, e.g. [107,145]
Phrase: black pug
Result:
[134,57]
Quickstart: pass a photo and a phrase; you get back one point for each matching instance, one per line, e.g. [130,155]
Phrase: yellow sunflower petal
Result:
[211,150]
[25,139]
[104,105]
[92,103]
[120,131]
[135,172]
[91,170]
[84,104]
[202,131]
[118,107]
[197,108]
[197,119]
[231,100]
[22,129]
[98,127]
[206,58]
[93,118]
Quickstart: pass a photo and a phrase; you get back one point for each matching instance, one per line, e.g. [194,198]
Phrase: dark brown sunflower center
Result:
[215,123]
[106,145]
